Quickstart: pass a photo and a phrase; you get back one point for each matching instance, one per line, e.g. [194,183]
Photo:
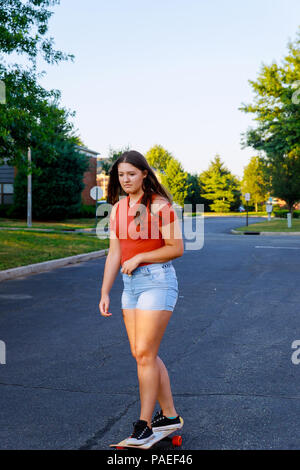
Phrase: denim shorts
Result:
[151,287]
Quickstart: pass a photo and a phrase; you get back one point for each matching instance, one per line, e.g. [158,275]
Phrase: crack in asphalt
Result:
[182,395]
[185,395]
[235,394]
[39,387]
[93,441]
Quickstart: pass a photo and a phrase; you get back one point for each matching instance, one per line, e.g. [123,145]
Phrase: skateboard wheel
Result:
[177,441]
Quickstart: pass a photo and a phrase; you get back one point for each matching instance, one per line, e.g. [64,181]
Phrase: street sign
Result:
[247,196]
[96,193]
[269,207]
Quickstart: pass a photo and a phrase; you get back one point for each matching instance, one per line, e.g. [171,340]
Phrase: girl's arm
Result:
[173,248]
[113,259]
[112,265]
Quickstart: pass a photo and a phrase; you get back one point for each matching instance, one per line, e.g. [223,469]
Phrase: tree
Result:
[57,186]
[32,115]
[194,191]
[27,118]
[277,112]
[113,155]
[57,166]
[284,174]
[219,187]
[158,158]
[175,180]
[254,181]
[23,28]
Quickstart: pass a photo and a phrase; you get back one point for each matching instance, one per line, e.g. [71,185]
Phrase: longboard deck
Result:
[158,436]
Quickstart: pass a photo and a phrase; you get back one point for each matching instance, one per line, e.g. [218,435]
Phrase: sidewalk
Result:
[48,265]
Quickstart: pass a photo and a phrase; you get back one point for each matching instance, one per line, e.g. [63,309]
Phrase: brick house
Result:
[7,176]
[90,176]
[102,178]
[8,173]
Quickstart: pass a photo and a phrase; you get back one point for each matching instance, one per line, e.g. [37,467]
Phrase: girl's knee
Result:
[144,357]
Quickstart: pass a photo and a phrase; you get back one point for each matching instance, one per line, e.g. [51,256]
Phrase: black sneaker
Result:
[141,433]
[161,422]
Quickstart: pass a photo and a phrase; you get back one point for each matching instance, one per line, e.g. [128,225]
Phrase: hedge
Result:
[283,213]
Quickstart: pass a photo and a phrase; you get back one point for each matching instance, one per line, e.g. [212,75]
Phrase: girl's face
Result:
[130,177]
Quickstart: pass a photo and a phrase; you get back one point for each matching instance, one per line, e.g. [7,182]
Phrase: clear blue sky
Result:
[168,72]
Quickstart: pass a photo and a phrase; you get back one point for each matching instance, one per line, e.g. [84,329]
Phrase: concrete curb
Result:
[266,233]
[51,230]
[48,265]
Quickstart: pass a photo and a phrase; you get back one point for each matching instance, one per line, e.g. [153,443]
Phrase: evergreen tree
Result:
[220,188]
[175,180]
[56,187]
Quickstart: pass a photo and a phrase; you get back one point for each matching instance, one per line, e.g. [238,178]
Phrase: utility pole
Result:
[29,192]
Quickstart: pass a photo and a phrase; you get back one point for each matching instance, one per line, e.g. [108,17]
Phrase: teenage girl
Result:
[144,238]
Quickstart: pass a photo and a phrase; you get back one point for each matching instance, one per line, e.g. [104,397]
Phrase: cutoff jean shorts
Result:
[151,287]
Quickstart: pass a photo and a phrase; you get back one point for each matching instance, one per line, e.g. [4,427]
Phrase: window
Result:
[6,193]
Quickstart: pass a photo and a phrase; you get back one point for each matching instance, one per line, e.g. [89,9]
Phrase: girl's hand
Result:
[103,305]
[130,265]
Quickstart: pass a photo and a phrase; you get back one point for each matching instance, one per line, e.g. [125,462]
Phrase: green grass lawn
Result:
[278,225]
[90,223]
[20,248]
[64,225]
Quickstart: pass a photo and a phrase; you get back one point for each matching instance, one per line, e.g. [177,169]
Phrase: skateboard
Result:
[158,436]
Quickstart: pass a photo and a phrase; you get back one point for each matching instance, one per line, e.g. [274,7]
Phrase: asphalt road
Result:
[69,381]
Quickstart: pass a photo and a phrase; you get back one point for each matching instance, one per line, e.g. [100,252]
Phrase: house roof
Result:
[88,151]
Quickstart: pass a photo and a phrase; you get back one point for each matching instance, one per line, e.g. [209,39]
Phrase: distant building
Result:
[102,177]
[7,176]
[90,176]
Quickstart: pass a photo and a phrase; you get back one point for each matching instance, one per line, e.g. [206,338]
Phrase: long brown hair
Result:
[151,186]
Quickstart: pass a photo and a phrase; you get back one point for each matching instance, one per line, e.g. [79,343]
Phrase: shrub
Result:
[283,213]
[85,212]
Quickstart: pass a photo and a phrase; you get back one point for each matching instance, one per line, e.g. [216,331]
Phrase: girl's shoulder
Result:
[159,200]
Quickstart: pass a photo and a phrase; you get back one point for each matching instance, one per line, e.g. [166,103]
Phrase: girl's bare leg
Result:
[150,328]
[165,397]
[164,394]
